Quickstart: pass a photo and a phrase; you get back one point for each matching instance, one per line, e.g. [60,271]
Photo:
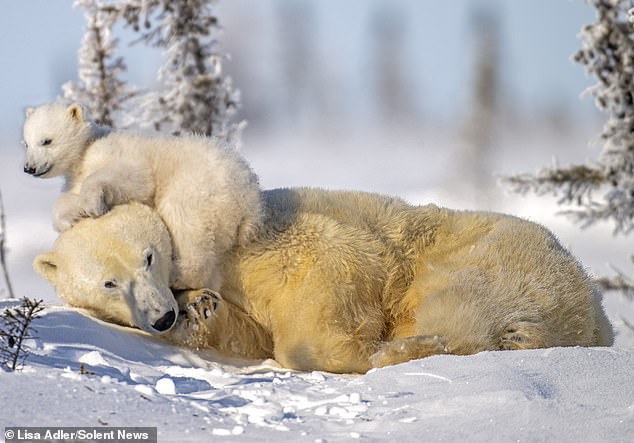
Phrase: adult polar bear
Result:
[342,281]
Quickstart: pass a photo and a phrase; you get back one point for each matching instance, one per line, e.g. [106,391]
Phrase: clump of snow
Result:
[93,358]
[166,386]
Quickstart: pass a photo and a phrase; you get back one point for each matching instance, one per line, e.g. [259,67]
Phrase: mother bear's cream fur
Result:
[342,282]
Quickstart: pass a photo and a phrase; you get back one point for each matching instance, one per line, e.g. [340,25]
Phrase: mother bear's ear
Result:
[46,266]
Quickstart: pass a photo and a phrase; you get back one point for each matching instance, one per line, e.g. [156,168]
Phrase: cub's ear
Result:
[76,112]
[46,266]
[28,111]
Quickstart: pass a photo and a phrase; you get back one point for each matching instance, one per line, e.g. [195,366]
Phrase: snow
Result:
[132,379]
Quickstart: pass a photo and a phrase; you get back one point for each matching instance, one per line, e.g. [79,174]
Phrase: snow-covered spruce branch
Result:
[573,184]
[3,263]
[99,87]
[617,208]
[15,329]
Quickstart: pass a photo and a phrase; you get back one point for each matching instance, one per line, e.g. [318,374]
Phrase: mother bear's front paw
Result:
[203,306]
[197,308]
[196,314]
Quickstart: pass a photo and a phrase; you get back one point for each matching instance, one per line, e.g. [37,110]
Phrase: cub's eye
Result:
[25,144]
[46,142]
[109,284]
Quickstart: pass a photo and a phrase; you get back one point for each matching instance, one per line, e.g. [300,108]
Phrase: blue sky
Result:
[39,41]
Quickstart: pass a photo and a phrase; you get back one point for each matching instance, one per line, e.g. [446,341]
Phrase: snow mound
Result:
[129,378]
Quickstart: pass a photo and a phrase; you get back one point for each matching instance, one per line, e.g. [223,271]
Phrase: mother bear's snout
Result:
[165,322]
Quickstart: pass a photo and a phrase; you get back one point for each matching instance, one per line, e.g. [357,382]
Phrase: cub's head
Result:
[116,267]
[55,136]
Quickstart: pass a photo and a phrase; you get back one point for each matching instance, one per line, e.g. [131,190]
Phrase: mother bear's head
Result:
[117,267]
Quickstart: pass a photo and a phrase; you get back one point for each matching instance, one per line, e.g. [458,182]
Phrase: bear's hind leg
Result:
[405,349]
[517,336]
[524,335]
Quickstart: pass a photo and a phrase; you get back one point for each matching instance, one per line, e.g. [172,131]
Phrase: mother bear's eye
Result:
[46,142]
[109,284]
[149,258]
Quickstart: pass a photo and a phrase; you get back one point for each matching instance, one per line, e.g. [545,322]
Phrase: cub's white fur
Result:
[205,193]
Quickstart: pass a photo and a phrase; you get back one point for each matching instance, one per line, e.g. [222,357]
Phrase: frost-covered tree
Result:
[297,45]
[195,95]
[99,86]
[480,124]
[3,263]
[15,329]
[392,88]
[604,189]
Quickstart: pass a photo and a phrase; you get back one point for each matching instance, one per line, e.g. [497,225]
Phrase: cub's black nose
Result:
[165,322]
[29,169]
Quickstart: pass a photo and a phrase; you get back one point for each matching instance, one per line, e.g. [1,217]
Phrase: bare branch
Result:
[619,283]
[15,329]
[3,262]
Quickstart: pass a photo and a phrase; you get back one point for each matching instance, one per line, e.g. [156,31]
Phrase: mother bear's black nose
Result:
[165,322]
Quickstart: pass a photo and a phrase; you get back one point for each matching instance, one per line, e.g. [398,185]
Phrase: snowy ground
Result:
[569,394]
[564,395]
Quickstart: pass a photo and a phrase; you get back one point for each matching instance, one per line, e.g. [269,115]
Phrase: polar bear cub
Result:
[201,190]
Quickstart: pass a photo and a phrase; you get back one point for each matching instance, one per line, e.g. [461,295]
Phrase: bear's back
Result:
[382,215]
